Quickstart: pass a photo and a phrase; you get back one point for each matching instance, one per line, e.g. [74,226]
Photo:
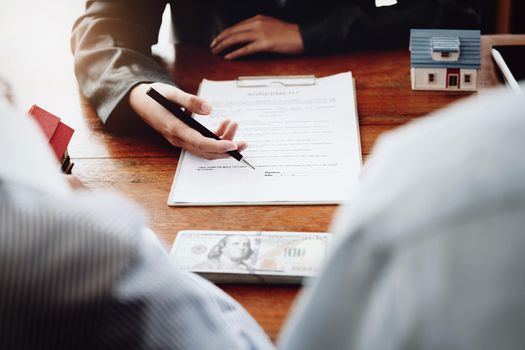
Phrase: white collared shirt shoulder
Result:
[439,213]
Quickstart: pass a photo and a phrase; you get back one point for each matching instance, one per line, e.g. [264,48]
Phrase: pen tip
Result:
[247,163]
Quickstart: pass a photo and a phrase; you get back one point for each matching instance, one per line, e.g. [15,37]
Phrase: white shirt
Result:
[430,251]
[78,271]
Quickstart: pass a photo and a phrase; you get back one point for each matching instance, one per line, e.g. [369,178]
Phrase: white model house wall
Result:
[420,79]
[473,84]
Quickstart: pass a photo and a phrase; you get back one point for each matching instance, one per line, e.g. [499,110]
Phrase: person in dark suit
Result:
[112,43]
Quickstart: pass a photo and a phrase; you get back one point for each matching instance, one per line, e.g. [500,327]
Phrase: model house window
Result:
[445,54]
[467,79]
[431,77]
[453,80]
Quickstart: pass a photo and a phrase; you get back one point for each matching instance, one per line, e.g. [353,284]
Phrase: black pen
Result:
[189,121]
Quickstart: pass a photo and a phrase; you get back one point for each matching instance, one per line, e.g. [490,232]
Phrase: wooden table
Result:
[142,165]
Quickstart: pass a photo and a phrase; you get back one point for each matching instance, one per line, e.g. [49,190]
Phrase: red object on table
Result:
[57,133]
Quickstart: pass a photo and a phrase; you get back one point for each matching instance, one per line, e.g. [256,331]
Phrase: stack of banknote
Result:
[251,257]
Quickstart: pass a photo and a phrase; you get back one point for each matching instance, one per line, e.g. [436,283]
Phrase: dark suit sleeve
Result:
[359,24]
[111,43]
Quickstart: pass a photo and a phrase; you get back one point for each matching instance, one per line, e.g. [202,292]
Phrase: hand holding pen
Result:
[177,132]
[187,119]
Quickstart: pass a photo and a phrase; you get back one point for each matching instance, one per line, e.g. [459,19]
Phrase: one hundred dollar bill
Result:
[251,257]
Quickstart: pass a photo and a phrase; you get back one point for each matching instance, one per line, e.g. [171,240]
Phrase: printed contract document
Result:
[303,141]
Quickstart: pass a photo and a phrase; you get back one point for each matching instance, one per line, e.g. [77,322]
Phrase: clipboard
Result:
[279,80]
[185,187]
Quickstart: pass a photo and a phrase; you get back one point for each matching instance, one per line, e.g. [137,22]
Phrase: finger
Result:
[222,127]
[249,49]
[241,145]
[235,39]
[211,156]
[230,131]
[243,26]
[169,127]
[194,141]
[190,102]
[174,140]
[179,134]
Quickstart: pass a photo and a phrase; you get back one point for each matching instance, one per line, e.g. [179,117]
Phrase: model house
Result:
[444,59]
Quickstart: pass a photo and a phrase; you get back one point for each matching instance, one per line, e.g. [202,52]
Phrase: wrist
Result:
[299,45]
[294,44]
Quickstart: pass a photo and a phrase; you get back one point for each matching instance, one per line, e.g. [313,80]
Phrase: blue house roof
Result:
[444,44]
[424,41]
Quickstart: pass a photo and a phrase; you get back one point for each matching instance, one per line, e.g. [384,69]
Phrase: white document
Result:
[302,140]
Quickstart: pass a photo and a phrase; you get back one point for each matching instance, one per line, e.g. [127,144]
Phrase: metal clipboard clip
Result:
[276,80]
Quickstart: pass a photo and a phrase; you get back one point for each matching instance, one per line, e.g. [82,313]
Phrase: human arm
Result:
[111,43]
[113,63]
[79,270]
[82,272]
[345,25]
